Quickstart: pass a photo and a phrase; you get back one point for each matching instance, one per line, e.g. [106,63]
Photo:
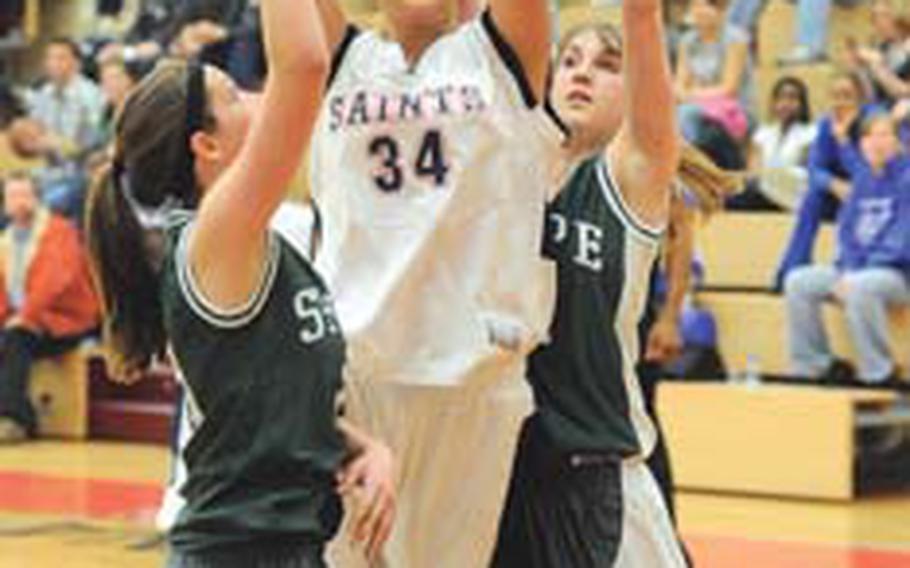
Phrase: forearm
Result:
[294,37]
[680,245]
[356,440]
[891,83]
[651,119]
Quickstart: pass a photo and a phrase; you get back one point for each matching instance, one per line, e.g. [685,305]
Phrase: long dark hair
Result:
[804,115]
[151,166]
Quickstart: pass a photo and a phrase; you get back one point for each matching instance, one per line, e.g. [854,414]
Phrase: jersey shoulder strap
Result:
[179,231]
[620,207]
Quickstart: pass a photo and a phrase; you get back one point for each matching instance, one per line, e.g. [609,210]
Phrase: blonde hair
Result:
[709,184]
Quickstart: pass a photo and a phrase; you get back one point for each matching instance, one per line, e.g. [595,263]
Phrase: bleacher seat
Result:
[775,440]
[756,324]
[59,391]
[776,35]
[741,250]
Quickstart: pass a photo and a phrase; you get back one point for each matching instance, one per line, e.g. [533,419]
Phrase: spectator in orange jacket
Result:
[47,301]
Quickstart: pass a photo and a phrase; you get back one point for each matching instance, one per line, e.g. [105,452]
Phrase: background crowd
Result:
[843,164]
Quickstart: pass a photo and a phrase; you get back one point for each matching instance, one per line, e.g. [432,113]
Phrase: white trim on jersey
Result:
[216,316]
[639,255]
[621,207]
[648,537]
[191,418]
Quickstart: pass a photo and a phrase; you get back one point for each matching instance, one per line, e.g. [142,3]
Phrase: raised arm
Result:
[525,24]
[645,153]
[228,245]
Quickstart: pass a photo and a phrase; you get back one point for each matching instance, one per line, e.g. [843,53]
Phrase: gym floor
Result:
[88,505]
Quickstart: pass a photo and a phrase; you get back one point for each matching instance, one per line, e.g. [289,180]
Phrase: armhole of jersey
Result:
[350,34]
[213,315]
[316,236]
[509,58]
[618,204]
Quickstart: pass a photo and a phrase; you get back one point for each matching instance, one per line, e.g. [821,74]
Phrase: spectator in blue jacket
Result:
[829,180]
[872,272]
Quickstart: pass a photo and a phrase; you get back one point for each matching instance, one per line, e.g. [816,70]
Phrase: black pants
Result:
[19,349]
[562,510]
[251,556]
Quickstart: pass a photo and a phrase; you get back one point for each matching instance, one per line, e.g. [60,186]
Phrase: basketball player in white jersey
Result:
[430,167]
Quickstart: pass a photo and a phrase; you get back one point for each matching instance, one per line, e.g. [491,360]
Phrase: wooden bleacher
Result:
[797,441]
[59,392]
[773,440]
[756,324]
[740,252]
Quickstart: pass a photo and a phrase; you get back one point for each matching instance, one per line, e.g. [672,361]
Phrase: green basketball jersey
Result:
[584,380]
[262,384]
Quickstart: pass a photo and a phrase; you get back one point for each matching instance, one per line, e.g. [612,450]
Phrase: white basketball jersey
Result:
[431,180]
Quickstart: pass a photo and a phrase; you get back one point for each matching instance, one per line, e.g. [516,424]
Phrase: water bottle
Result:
[752,372]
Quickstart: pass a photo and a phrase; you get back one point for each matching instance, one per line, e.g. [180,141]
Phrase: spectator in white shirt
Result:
[779,151]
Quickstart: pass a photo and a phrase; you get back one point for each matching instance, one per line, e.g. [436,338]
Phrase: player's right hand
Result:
[369,481]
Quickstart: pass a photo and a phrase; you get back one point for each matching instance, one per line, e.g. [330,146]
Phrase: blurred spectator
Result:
[47,302]
[108,7]
[225,33]
[886,64]
[62,181]
[829,179]
[11,106]
[811,41]
[780,148]
[713,83]
[68,104]
[872,272]
[23,146]
[11,15]
[117,80]
[11,109]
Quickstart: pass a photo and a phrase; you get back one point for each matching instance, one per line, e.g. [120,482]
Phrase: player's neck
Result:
[415,41]
[583,144]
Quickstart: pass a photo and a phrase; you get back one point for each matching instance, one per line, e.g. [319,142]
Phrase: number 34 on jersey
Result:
[395,162]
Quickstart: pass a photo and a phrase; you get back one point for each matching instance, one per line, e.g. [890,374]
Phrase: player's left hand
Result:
[369,480]
[664,342]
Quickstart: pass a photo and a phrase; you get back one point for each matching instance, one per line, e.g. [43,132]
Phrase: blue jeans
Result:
[870,292]
[812,24]
[745,13]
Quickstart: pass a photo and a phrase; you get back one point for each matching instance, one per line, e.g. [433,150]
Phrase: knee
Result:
[863,291]
[802,284]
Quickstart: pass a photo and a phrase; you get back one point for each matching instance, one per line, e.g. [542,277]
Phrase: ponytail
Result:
[129,284]
[709,184]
